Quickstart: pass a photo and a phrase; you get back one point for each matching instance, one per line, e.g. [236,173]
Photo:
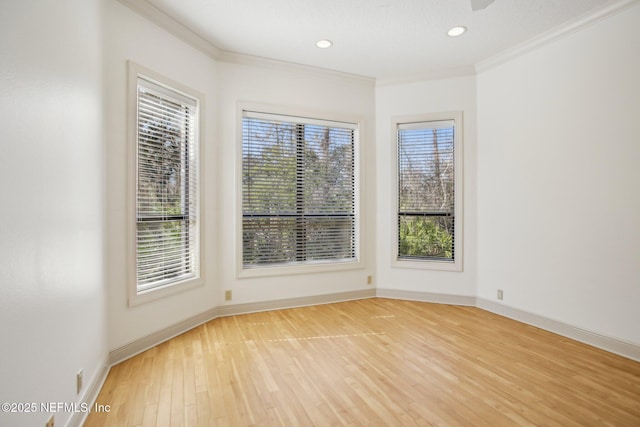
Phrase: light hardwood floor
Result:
[372,362]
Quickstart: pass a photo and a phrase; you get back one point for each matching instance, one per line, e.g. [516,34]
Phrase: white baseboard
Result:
[90,396]
[426,297]
[142,344]
[138,346]
[253,307]
[613,345]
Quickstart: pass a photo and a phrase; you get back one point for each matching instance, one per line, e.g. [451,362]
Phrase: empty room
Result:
[314,213]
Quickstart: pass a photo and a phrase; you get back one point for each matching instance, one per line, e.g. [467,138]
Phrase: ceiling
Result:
[374,38]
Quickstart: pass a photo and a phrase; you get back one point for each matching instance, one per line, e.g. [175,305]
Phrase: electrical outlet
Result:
[500,294]
[369,280]
[228,295]
[79,382]
[50,422]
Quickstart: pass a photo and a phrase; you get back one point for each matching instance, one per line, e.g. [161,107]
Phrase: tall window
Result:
[298,191]
[427,219]
[166,186]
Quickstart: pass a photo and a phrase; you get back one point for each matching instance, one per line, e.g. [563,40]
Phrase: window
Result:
[166,237]
[428,161]
[298,191]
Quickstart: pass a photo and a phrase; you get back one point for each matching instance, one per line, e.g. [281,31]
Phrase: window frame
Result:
[135,296]
[458,152]
[311,267]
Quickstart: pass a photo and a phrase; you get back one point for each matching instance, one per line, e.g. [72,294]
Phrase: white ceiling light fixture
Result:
[457,31]
[324,44]
[227,27]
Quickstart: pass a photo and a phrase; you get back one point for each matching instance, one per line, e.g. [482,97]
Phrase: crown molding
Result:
[166,22]
[435,74]
[599,14]
[275,64]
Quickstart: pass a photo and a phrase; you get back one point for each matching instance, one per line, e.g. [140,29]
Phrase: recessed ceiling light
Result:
[456,31]
[324,44]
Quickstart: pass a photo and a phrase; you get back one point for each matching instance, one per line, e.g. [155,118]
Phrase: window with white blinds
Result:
[426,190]
[298,191]
[166,202]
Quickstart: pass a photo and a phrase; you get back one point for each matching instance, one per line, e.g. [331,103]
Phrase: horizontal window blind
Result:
[167,187]
[298,190]
[426,220]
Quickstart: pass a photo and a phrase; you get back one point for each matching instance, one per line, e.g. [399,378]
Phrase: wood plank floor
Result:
[372,362]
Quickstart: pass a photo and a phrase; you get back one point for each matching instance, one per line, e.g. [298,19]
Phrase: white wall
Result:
[304,90]
[131,37]
[436,96]
[558,170]
[224,84]
[52,295]
[551,212]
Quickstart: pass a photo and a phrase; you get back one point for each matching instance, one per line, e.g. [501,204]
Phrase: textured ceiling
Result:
[375,38]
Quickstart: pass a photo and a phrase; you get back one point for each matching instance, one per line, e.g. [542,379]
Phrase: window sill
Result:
[137,298]
[284,270]
[429,264]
